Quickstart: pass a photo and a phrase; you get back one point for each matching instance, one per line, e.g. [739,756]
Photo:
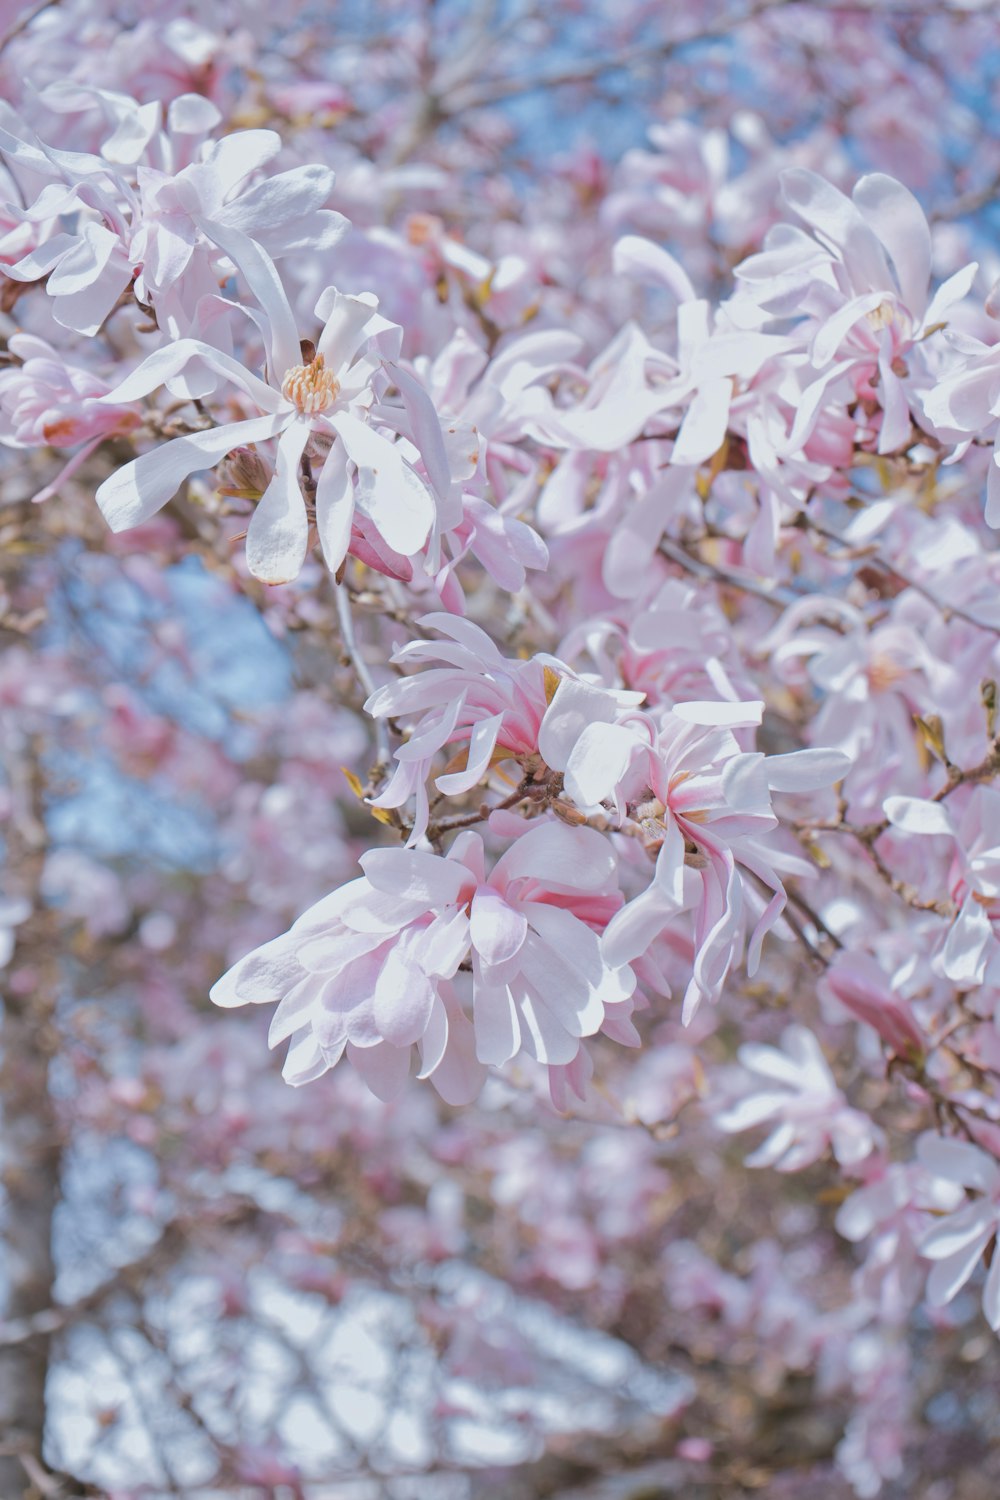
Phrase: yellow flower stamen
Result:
[312,387]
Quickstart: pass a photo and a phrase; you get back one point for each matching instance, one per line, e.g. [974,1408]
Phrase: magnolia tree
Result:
[500,572]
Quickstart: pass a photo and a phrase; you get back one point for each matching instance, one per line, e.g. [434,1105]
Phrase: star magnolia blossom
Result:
[704,804]
[966,404]
[324,399]
[957,1241]
[162,232]
[800,1096]
[967,953]
[861,279]
[45,402]
[857,982]
[374,968]
[533,710]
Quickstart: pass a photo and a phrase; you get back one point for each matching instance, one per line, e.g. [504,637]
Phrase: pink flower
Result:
[968,948]
[801,1098]
[375,967]
[861,280]
[703,804]
[532,709]
[163,231]
[859,984]
[45,402]
[890,1209]
[965,404]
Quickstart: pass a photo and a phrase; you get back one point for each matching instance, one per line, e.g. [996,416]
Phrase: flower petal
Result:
[134,493]
[334,508]
[396,499]
[497,930]
[278,533]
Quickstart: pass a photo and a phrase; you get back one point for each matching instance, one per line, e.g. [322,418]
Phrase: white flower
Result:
[802,1098]
[328,396]
[957,1241]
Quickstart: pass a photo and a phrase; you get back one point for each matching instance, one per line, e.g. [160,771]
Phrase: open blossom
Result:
[890,1210]
[47,403]
[323,398]
[163,232]
[799,1097]
[375,967]
[965,405]
[871,679]
[532,710]
[967,953]
[480,403]
[860,280]
[957,1241]
[704,806]
[669,647]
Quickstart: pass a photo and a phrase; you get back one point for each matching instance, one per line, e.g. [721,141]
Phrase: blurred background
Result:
[210,1283]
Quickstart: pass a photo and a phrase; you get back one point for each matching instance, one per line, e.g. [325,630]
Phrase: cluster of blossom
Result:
[680,585]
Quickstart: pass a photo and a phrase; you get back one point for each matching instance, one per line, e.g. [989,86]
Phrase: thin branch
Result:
[359,666]
[873,556]
[778,598]
[587,72]
[23,22]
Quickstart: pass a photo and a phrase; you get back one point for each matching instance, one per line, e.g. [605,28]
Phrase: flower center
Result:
[312,387]
[882,316]
[882,672]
